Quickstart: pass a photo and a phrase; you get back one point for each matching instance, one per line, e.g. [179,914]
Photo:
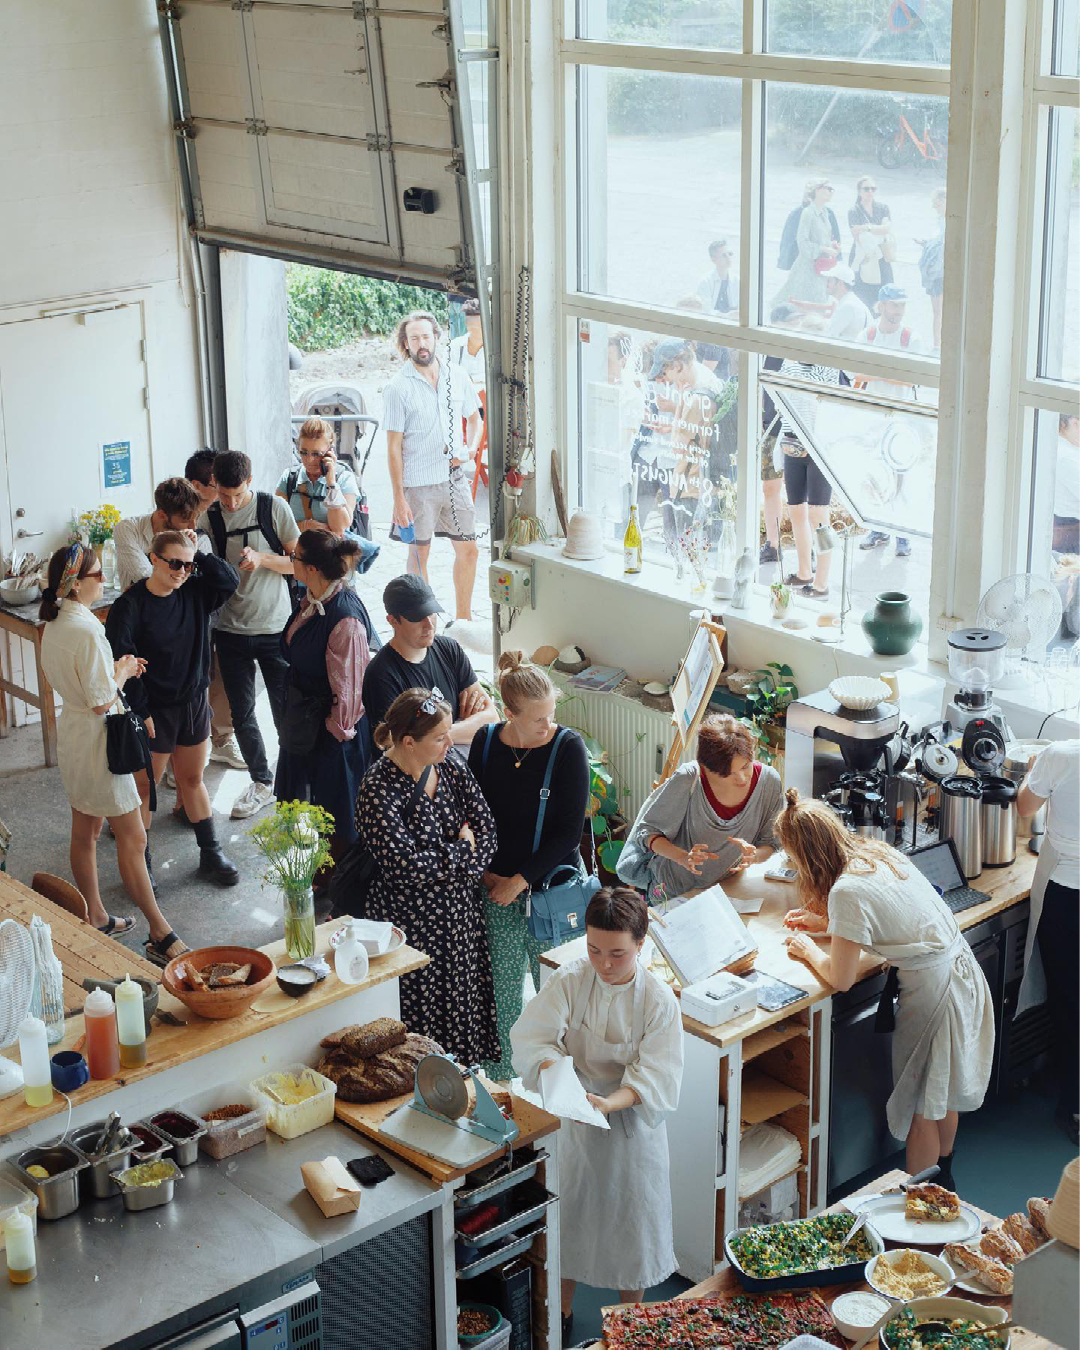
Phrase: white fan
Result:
[16,991]
[1026,609]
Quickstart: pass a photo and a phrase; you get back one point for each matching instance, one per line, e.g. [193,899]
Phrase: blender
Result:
[976,664]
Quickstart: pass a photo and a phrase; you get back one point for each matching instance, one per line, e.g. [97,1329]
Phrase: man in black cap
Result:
[415,658]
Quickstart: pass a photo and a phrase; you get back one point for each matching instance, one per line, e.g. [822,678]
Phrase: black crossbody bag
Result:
[127,744]
[351,878]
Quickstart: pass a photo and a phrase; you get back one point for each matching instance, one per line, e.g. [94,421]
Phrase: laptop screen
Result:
[938,865]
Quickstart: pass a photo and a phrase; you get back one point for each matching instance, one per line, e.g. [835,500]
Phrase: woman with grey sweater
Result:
[711,818]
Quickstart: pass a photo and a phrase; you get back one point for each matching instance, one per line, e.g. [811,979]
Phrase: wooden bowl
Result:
[220,1004]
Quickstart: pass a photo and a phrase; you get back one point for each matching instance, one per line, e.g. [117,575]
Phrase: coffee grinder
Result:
[976,664]
[829,747]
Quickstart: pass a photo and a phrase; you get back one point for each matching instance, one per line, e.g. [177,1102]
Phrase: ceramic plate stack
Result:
[584,538]
[859,692]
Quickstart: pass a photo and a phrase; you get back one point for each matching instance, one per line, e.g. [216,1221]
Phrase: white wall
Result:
[89,206]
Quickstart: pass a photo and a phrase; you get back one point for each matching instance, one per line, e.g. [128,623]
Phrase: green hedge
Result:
[331,309]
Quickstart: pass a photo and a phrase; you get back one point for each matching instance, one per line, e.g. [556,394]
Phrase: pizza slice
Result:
[931,1202]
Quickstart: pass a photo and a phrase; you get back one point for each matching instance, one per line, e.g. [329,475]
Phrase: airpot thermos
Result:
[962,821]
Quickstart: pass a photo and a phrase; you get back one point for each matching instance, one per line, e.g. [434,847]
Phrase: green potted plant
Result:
[604,821]
[295,841]
[779,599]
[767,698]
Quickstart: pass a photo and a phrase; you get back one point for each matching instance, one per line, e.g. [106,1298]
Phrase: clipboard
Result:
[702,936]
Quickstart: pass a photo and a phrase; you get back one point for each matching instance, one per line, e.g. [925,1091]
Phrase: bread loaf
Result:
[1038,1210]
[1020,1229]
[995,1274]
[376,1078]
[368,1039]
[999,1244]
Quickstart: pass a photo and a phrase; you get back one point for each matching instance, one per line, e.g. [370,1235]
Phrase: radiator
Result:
[635,737]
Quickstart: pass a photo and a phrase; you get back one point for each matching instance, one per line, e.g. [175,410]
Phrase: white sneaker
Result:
[170,777]
[252,800]
[228,752]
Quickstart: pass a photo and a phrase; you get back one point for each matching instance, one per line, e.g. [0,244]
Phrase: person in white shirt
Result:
[1067,486]
[1053,781]
[849,317]
[423,409]
[467,351]
[718,290]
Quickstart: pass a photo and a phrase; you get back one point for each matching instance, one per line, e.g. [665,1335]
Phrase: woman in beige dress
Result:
[867,897]
[79,665]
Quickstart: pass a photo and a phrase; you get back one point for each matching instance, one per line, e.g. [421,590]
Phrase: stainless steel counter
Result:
[236,1231]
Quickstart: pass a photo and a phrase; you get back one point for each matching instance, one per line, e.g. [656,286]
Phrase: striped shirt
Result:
[430,421]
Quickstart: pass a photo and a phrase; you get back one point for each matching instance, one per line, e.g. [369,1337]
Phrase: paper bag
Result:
[331,1186]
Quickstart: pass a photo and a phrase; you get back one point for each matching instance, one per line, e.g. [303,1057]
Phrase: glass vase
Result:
[727,551]
[299,906]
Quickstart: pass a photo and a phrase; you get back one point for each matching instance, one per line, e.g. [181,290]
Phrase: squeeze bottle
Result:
[21,1253]
[102,1050]
[34,1056]
[130,1023]
[351,957]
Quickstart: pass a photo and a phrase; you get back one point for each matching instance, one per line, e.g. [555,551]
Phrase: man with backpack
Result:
[255,532]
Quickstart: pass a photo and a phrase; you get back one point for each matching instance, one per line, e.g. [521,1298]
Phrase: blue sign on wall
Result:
[116,464]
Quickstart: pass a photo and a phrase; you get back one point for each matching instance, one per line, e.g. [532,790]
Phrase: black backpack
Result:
[361,522]
[264,523]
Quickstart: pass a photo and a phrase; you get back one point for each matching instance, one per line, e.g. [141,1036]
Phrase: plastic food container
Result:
[239,1131]
[807,1279]
[13,1197]
[291,1118]
[182,1132]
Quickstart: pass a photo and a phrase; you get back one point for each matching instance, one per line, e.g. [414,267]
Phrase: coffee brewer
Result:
[830,748]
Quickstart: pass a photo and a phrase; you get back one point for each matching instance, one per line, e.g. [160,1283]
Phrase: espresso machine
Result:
[839,755]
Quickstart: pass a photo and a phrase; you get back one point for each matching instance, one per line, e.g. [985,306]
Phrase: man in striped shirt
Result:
[424,406]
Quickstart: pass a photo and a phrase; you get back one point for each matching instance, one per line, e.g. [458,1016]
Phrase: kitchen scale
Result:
[435,1122]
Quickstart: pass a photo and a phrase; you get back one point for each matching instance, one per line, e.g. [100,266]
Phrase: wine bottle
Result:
[632,545]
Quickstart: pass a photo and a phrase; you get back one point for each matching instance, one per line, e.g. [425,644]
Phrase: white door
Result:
[69,387]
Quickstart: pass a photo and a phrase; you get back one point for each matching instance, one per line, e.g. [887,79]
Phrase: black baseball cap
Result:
[410,597]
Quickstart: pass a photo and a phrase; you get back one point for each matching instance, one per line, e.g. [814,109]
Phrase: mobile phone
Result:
[781,874]
[324,465]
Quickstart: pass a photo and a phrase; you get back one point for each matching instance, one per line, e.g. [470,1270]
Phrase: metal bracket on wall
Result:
[255,126]
[185,127]
[246,6]
[447,86]
[462,275]
[359,10]
[168,10]
[377,143]
[456,164]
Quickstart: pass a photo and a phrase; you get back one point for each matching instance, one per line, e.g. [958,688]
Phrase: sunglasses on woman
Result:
[176,564]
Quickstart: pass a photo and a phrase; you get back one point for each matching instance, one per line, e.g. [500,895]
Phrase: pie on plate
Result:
[931,1202]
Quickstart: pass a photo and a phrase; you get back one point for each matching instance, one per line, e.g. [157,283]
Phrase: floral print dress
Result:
[428,883]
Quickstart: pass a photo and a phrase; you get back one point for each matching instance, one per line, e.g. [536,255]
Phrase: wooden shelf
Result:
[770,1037]
[764,1097]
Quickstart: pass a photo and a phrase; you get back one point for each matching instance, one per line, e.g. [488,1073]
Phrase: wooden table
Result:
[727,1282]
[23,622]
[81,949]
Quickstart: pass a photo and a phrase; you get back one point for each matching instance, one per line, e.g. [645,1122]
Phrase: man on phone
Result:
[424,406]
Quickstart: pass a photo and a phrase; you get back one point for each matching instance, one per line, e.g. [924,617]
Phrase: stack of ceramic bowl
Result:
[584,538]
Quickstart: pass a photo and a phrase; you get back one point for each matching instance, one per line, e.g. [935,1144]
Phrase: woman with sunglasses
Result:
[428,828]
[79,665]
[872,247]
[165,619]
[322,493]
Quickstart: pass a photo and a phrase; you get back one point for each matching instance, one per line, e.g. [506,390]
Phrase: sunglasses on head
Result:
[176,564]
[429,706]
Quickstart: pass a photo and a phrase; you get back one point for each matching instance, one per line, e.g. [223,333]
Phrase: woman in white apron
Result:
[867,897]
[621,1027]
[1050,964]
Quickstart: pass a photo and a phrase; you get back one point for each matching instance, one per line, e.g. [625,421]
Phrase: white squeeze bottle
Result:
[34,1057]
[19,1241]
[130,1023]
[351,958]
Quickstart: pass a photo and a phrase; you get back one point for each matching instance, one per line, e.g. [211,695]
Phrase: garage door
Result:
[313,130]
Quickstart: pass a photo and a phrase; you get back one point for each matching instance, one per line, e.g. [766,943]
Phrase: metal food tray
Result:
[516,1248]
[478,1194]
[489,1235]
[807,1279]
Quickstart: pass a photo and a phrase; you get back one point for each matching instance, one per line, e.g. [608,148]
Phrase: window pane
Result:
[658,168]
[908,31]
[1054,539]
[663,23]
[1065,58]
[657,421]
[865,471]
[1058,358]
[819,139]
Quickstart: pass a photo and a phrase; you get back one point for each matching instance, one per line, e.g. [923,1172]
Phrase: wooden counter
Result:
[170,1046]
[1006,886]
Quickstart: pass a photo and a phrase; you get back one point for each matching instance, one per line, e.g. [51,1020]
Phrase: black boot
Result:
[945,1176]
[567,1327]
[149,869]
[212,862]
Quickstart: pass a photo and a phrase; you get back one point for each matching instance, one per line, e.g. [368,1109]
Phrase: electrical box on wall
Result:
[511,583]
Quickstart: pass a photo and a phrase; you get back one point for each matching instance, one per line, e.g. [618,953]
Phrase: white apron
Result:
[943,1045]
[1033,985]
[615,1194]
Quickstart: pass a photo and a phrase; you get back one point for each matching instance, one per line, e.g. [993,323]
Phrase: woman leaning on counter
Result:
[867,897]
[712,817]
[620,1025]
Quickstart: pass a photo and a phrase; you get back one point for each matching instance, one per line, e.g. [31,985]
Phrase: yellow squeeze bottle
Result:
[34,1057]
[130,1023]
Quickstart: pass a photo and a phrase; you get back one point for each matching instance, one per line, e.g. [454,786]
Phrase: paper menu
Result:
[564,1096]
[701,936]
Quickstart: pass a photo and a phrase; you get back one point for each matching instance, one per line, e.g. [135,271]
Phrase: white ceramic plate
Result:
[973,1285]
[397,939]
[886,1213]
[937,1264]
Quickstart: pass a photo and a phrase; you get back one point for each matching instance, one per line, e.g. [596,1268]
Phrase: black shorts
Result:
[180,724]
[804,483]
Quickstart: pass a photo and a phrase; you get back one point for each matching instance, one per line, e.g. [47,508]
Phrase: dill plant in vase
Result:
[295,841]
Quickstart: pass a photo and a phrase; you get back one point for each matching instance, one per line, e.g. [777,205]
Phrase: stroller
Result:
[342,405]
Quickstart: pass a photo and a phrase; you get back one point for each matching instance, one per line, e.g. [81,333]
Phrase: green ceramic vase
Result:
[892,626]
